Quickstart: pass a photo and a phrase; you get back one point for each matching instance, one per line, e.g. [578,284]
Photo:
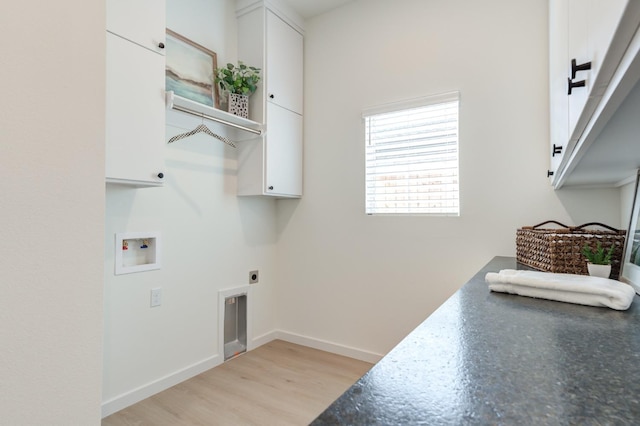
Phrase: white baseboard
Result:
[261,340]
[324,345]
[143,392]
[136,395]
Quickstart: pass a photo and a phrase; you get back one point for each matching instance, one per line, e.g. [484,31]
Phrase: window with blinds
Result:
[412,157]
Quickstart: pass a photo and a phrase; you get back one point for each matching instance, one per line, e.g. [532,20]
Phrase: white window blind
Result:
[412,157]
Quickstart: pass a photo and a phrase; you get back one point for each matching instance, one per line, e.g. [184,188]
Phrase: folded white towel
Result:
[580,289]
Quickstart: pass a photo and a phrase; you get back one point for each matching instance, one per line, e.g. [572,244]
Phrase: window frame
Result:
[408,105]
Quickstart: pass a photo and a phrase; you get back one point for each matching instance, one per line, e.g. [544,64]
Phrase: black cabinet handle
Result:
[161,45]
[271,96]
[556,150]
[549,173]
[271,188]
[575,68]
[573,84]
[160,175]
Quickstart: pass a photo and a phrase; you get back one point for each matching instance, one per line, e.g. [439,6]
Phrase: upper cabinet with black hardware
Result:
[283,64]
[591,45]
[135,105]
[591,26]
[139,21]
[270,37]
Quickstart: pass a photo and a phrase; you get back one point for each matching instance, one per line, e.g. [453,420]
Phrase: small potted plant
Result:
[599,260]
[238,83]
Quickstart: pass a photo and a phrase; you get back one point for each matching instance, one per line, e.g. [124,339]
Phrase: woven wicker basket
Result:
[559,249]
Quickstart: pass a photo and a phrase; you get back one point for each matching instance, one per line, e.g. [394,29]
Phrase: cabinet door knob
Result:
[556,150]
[161,45]
[549,173]
[271,188]
[160,175]
[271,96]
[573,84]
[575,67]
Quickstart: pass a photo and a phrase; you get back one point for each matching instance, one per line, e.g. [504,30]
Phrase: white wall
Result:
[627,195]
[211,240]
[52,214]
[365,282]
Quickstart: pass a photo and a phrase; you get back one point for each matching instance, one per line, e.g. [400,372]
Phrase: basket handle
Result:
[596,224]
[551,221]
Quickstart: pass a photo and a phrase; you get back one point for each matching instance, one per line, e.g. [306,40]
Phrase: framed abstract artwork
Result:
[190,69]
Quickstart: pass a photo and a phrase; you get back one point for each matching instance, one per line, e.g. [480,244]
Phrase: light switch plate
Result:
[156,297]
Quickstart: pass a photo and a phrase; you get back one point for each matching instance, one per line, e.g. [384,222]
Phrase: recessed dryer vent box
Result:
[234,324]
[137,252]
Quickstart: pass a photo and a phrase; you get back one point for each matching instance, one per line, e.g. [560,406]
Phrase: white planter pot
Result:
[602,271]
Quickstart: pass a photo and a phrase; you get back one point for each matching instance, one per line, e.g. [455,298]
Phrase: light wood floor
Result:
[279,383]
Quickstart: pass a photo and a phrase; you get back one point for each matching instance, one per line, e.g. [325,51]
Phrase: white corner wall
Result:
[365,282]
[211,239]
[52,214]
[627,196]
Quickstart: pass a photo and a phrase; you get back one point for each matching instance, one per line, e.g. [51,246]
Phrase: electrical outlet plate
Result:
[254,277]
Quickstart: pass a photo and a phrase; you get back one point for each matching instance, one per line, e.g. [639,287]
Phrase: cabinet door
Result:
[283,162]
[284,62]
[139,21]
[558,99]
[592,24]
[579,51]
[604,17]
[135,113]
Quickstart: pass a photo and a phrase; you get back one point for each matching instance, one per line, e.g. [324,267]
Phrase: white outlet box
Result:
[137,252]
[156,297]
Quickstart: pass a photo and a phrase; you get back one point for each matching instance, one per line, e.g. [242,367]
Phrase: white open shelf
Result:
[204,112]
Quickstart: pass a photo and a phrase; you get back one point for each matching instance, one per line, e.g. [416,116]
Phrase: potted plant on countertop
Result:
[237,83]
[599,260]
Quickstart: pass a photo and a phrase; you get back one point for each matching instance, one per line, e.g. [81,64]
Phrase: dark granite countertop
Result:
[499,359]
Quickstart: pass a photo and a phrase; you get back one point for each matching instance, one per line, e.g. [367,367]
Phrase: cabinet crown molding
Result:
[283,10]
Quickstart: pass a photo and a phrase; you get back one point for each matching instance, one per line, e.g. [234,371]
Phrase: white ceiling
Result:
[311,8]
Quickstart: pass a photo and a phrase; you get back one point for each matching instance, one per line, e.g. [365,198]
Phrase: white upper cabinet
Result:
[139,21]
[135,111]
[592,46]
[135,100]
[267,38]
[283,153]
[591,26]
[283,64]
[559,101]
[580,55]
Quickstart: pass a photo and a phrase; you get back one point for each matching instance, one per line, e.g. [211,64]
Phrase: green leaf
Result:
[240,79]
[598,256]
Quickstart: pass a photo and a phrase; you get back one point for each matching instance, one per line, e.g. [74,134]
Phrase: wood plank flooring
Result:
[279,383]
